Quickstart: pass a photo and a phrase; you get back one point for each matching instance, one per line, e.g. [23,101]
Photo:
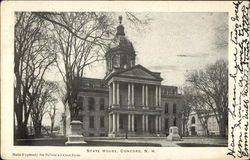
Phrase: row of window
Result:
[102,122]
[92,85]
[168,91]
[166,108]
[92,122]
[91,103]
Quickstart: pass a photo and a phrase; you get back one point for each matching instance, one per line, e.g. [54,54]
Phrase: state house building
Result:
[129,99]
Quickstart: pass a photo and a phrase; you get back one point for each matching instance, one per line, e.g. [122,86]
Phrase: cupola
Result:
[121,53]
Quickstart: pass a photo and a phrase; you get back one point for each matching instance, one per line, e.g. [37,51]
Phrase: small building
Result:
[195,127]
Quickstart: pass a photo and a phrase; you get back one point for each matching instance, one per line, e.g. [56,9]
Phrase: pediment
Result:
[139,72]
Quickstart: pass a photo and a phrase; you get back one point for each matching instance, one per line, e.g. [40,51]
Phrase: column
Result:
[159,123]
[110,96]
[133,122]
[118,94]
[146,123]
[129,96]
[133,102]
[117,122]
[143,123]
[156,123]
[113,93]
[146,95]
[143,95]
[159,96]
[129,125]
[156,96]
[110,123]
[114,127]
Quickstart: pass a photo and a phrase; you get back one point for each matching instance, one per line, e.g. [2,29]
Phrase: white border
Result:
[7,33]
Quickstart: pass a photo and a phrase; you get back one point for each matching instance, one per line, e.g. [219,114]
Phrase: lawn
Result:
[132,141]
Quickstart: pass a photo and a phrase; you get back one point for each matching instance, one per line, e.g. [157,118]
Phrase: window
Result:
[121,123]
[166,107]
[175,121]
[91,85]
[102,134]
[124,61]
[174,108]
[91,104]
[166,124]
[116,61]
[91,134]
[120,100]
[101,104]
[80,102]
[193,120]
[102,122]
[91,122]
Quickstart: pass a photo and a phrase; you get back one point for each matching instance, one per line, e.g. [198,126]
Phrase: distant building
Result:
[195,127]
[129,99]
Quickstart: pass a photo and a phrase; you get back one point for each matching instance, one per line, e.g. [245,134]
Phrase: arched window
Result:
[91,104]
[193,120]
[116,61]
[166,107]
[124,62]
[174,108]
[102,104]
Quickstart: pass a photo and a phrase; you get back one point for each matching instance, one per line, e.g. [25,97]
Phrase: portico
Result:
[140,124]
[135,103]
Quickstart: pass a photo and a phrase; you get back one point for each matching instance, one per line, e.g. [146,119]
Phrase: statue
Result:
[75,111]
[75,137]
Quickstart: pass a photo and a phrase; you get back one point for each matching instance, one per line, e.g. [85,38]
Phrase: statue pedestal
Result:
[173,134]
[76,137]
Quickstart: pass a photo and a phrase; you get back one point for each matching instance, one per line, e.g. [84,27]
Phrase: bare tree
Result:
[75,53]
[32,59]
[52,114]
[82,39]
[194,101]
[211,86]
[202,110]
[41,104]
[188,103]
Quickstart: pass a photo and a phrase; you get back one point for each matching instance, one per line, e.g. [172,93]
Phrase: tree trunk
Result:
[52,127]
[222,128]
[37,129]
[22,130]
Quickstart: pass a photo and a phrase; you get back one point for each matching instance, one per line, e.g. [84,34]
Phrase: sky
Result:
[176,43]
[173,44]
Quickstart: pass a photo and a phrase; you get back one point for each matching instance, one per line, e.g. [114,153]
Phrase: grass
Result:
[61,142]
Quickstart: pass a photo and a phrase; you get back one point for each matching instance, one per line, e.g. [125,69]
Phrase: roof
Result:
[138,72]
[121,42]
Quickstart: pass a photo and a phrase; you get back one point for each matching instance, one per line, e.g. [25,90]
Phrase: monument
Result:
[173,134]
[76,137]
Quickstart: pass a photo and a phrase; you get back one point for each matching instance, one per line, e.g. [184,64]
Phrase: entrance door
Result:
[193,132]
[135,124]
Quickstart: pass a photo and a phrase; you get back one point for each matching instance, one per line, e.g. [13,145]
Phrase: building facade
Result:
[194,126]
[130,99]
